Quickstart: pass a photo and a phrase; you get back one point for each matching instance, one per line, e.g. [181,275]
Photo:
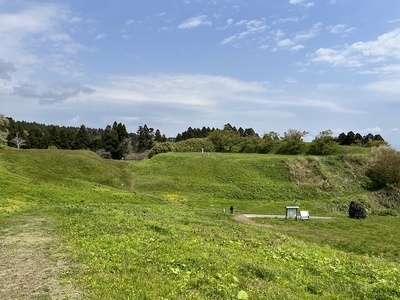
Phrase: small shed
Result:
[291,212]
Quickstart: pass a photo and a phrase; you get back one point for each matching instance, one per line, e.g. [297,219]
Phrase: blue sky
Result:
[270,65]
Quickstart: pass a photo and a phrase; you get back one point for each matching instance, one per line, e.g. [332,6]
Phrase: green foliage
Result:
[323,144]
[162,148]
[224,140]
[82,139]
[145,138]
[190,145]
[3,130]
[384,167]
[292,142]
[195,145]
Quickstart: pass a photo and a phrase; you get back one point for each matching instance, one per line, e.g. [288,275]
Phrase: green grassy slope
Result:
[154,229]
[252,183]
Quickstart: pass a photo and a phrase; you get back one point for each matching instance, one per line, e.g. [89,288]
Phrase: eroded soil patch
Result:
[32,263]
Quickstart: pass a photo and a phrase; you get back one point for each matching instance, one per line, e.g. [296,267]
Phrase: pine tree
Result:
[82,140]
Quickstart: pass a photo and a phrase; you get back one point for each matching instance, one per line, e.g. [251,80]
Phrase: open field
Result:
[155,229]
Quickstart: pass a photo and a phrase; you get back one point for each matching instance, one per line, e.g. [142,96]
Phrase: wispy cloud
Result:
[308,34]
[100,36]
[195,22]
[394,21]
[342,29]
[391,70]
[301,2]
[387,87]
[248,28]
[294,43]
[184,89]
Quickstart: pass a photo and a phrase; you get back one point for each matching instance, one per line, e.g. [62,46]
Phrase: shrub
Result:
[357,210]
[161,148]
[383,167]
[194,145]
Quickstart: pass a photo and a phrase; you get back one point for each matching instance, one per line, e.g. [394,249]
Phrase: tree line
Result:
[115,142]
[231,139]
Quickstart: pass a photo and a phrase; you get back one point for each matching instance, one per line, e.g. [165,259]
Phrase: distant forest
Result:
[115,142]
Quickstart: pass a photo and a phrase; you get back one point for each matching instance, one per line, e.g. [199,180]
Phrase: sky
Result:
[270,65]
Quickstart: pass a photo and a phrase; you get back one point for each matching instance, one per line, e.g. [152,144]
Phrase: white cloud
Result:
[386,46]
[285,43]
[340,29]
[195,22]
[33,33]
[251,28]
[297,48]
[394,21]
[75,20]
[73,48]
[130,22]
[230,21]
[285,20]
[309,34]
[371,130]
[296,1]
[336,58]
[388,70]
[101,36]
[294,43]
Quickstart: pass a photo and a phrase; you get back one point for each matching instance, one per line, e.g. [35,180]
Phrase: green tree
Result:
[82,140]
[111,142]
[4,122]
[272,135]
[267,142]
[250,144]
[158,136]
[54,137]
[224,139]
[292,142]
[145,138]
[35,137]
[67,138]
[323,144]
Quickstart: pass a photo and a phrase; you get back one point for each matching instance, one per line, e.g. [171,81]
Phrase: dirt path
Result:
[31,261]
[247,220]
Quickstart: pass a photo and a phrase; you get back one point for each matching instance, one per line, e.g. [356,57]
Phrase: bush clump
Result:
[357,210]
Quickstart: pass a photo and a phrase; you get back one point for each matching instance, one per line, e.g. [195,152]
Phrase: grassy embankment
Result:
[154,229]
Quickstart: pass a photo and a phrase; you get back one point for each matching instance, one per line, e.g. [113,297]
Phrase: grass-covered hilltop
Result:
[77,226]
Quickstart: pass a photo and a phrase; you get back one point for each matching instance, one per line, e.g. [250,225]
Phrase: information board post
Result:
[291,212]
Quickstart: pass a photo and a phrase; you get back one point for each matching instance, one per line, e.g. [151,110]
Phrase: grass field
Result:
[155,229]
